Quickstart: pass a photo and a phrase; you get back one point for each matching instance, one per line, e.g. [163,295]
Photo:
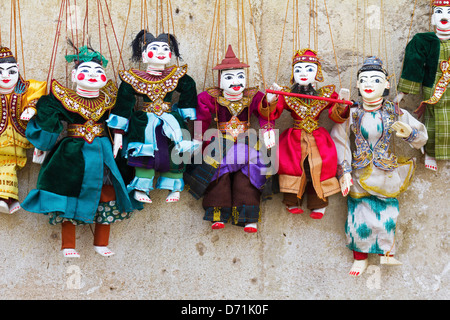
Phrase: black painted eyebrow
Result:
[8,68]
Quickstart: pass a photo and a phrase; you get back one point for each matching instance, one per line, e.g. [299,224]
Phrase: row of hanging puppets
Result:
[122,142]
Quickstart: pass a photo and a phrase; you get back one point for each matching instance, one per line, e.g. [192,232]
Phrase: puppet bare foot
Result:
[294,210]
[358,267]
[173,196]
[70,253]
[15,206]
[141,196]
[389,261]
[430,163]
[218,225]
[317,213]
[103,251]
[251,228]
[4,208]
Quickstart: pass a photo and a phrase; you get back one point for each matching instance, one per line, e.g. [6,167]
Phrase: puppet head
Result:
[88,72]
[233,78]
[9,70]
[373,83]
[441,15]
[156,51]
[306,68]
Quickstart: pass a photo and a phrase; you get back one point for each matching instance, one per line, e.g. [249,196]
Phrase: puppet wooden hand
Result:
[118,142]
[27,114]
[39,156]
[344,94]
[269,138]
[272,96]
[403,129]
[346,181]
[399,97]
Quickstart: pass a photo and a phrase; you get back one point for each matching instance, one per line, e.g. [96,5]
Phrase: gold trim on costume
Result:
[308,124]
[369,170]
[234,107]
[234,127]
[442,84]
[87,108]
[309,109]
[88,131]
[153,87]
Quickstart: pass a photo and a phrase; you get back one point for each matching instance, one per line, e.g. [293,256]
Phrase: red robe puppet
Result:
[306,153]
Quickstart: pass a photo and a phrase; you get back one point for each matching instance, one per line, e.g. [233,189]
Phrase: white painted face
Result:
[157,53]
[305,73]
[371,85]
[9,75]
[89,76]
[441,18]
[233,81]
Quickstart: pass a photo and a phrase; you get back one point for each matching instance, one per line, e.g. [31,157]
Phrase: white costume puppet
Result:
[372,176]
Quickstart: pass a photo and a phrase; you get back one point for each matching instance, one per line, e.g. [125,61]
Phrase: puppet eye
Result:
[241,76]
[377,81]
[12,71]
[228,77]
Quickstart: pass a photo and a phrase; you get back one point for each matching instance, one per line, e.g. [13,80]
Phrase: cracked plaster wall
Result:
[168,251]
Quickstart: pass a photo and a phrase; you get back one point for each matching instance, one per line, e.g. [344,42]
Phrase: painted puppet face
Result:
[157,53]
[305,73]
[371,85]
[441,18]
[233,81]
[9,75]
[89,76]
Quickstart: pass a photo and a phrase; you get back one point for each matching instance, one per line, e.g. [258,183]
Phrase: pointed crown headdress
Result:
[308,55]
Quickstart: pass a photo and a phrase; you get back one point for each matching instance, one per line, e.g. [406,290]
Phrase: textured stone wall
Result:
[167,251]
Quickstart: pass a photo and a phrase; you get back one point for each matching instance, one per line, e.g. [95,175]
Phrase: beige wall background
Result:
[167,251]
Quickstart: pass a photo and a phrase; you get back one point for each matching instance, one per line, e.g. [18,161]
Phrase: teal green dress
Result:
[78,165]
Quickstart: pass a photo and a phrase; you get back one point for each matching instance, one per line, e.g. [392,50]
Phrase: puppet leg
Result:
[246,202]
[68,240]
[430,163]
[360,263]
[172,181]
[315,204]
[217,201]
[292,203]
[143,184]
[101,239]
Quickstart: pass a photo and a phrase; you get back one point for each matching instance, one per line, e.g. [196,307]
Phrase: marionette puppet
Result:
[426,66]
[232,174]
[18,99]
[306,154]
[157,131]
[79,182]
[372,176]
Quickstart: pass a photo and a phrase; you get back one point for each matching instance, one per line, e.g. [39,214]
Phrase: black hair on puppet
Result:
[309,89]
[144,38]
